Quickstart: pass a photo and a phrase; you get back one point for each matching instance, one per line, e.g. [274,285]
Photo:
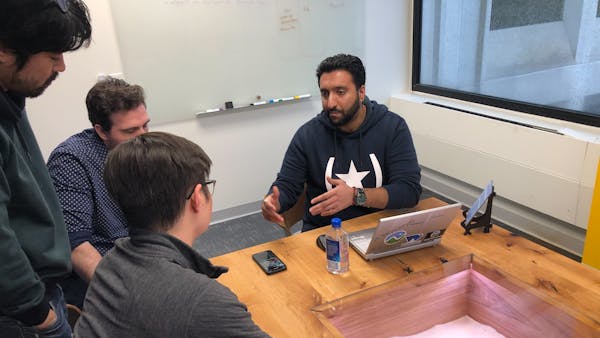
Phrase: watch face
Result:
[360,198]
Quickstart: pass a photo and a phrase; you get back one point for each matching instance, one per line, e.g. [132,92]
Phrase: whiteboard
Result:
[194,55]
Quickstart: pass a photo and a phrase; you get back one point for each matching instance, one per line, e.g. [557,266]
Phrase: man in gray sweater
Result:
[154,284]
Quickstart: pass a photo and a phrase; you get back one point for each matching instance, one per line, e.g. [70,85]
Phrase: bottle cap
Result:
[336,222]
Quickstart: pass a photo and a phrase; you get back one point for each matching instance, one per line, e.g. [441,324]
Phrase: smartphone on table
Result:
[269,262]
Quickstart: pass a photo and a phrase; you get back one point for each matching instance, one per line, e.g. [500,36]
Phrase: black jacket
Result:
[34,248]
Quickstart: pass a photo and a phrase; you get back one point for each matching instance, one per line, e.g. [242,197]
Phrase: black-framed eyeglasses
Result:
[210,185]
[62,4]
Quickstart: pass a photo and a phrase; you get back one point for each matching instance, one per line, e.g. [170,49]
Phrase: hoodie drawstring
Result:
[360,162]
[334,143]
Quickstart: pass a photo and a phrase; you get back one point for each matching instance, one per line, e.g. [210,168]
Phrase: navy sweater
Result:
[381,150]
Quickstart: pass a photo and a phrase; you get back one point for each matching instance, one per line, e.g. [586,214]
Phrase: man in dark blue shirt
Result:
[117,111]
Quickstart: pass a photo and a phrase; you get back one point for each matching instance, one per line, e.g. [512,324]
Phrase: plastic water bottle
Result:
[337,248]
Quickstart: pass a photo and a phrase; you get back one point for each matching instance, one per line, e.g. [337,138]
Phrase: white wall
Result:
[543,180]
[247,147]
[387,36]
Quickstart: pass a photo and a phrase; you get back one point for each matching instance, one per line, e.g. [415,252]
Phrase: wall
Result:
[387,34]
[266,49]
[543,180]
[247,147]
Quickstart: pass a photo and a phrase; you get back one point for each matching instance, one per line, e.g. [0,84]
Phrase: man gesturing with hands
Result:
[355,157]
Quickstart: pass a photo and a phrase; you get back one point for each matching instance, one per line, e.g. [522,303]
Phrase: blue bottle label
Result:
[333,250]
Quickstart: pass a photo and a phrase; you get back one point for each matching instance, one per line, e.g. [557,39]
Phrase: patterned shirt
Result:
[90,213]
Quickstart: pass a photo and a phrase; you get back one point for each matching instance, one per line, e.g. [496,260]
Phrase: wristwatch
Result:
[360,198]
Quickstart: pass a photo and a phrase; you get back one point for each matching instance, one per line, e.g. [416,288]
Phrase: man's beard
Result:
[38,91]
[347,115]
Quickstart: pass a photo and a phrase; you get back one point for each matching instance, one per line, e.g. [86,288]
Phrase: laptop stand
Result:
[484,220]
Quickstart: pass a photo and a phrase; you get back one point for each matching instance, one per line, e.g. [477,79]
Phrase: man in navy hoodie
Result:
[355,157]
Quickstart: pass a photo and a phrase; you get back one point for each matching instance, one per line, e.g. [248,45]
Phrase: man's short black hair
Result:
[29,27]
[349,63]
[151,175]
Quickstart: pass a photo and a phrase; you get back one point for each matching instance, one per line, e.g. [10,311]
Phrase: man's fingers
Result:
[270,214]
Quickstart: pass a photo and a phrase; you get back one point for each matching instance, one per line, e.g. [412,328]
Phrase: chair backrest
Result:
[294,214]
[73,313]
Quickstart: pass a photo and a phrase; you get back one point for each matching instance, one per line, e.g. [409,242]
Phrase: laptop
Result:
[405,232]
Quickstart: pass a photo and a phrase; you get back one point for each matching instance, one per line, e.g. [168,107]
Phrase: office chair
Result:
[294,214]
[73,313]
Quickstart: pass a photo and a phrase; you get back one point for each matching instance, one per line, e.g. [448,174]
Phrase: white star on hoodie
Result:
[353,178]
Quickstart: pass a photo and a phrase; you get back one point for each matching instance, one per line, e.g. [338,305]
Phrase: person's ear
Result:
[361,93]
[198,198]
[101,132]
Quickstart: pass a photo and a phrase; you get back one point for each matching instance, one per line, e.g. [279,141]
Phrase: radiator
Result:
[543,180]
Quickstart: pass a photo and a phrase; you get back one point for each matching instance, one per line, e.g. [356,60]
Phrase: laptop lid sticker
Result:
[395,237]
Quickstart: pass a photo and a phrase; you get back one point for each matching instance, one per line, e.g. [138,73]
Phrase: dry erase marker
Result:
[303,96]
[258,103]
[287,98]
[213,110]
[274,100]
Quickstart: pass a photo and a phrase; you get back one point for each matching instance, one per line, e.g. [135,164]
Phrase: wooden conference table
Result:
[281,303]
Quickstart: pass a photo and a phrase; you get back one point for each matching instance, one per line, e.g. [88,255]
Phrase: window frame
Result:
[520,106]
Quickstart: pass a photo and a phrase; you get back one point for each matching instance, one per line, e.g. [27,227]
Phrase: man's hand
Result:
[50,319]
[85,258]
[270,207]
[333,201]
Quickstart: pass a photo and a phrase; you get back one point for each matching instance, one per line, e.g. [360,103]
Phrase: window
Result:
[535,56]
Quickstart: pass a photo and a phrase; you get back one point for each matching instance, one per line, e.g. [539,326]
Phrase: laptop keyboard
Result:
[362,239]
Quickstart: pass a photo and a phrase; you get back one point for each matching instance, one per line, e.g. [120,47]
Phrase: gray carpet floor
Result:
[237,234]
